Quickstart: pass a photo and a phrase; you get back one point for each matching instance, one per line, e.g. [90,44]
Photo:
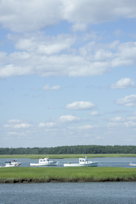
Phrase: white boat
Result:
[45,162]
[82,162]
[132,164]
[13,163]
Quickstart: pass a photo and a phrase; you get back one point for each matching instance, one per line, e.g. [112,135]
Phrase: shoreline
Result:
[63,156]
[29,181]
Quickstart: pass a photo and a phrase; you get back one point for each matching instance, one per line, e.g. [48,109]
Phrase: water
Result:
[69,193]
[103,161]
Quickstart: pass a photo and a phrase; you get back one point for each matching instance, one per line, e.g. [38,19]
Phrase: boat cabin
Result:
[82,160]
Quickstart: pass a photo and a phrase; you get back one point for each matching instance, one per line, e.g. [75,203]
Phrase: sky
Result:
[67,72]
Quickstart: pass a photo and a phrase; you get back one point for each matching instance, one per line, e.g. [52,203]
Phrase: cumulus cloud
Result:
[123,83]
[47,124]
[55,87]
[17,124]
[80,105]
[127,100]
[29,15]
[86,127]
[68,118]
[37,14]
[118,121]
[42,44]
[90,58]
[90,12]
[14,70]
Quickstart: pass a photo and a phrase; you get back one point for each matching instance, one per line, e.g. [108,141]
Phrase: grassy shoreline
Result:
[63,156]
[58,174]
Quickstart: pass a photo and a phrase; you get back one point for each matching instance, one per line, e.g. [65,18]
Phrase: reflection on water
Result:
[69,193]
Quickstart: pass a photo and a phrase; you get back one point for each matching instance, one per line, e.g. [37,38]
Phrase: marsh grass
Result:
[67,174]
[63,156]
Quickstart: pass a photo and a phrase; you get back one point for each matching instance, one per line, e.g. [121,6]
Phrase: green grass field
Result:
[62,156]
[68,174]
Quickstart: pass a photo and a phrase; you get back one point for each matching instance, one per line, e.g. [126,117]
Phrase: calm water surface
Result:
[69,193]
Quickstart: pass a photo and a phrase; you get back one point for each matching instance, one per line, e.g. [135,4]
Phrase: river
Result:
[69,193]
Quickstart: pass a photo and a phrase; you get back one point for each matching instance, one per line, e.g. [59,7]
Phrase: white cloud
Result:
[94,113]
[17,124]
[123,83]
[29,15]
[127,100]
[79,27]
[80,105]
[130,123]
[14,121]
[13,133]
[42,44]
[116,121]
[86,127]
[37,14]
[119,121]
[55,87]
[68,118]
[21,125]
[68,59]
[14,70]
[90,11]
[47,124]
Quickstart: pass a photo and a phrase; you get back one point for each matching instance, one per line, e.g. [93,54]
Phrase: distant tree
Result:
[79,149]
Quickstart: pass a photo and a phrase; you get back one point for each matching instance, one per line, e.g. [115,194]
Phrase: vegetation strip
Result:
[58,174]
[63,156]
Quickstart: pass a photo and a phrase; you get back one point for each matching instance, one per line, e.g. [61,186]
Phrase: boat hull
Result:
[44,164]
[12,164]
[92,164]
[132,164]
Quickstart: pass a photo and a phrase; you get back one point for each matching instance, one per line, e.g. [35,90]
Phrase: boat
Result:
[13,163]
[82,162]
[45,162]
[132,164]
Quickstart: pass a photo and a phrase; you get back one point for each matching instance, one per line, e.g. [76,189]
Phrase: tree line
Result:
[79,149]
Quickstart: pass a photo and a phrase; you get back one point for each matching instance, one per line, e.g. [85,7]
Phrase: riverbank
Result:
[58,174]
[64,156]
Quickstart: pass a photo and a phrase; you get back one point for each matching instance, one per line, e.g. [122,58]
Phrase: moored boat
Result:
[45,162]
[132,164]
[13,163]
[82,162]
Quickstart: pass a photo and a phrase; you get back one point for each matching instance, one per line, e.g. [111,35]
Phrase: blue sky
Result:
[67,72]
